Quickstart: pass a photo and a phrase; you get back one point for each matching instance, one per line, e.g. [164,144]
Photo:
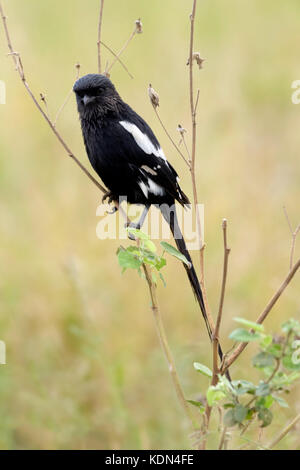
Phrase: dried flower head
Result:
[196,56]
[181,130]
[154,97]
[139,26]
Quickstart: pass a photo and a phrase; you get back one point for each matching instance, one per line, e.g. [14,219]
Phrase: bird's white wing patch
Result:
[155,188]
[142,140]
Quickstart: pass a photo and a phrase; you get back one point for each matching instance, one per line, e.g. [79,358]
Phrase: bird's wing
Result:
[154,174]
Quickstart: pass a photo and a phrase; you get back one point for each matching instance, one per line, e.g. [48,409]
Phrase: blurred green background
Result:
[84,367]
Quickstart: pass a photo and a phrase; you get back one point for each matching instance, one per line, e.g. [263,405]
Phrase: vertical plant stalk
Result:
[216,332]
[165,346]
[193,110]
[284,432]
[99,34]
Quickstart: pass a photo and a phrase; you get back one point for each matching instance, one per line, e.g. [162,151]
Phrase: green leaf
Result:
[198,404]
[150,245]
[243,386]
[266,416]
[128,260]
[202,369]
[240,413]
[163,279]
[229,418]
[214,395]
[250,324]
[265,402]
[263,389]
[160,263]
[263,359]
[266,341]
[137,233]
[290,364]
[240,334]
[281,402]
[174,252]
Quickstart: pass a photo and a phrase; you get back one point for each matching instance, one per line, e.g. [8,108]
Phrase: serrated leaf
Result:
[250,324]
[174,252]
[202,369]
[244,336]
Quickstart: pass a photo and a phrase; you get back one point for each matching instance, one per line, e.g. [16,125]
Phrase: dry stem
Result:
[99,34]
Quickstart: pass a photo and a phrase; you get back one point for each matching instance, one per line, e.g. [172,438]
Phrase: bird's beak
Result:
[87,99]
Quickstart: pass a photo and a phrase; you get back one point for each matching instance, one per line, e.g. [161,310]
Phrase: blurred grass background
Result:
[84,367]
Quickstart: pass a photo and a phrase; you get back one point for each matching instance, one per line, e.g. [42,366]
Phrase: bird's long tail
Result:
[170,215]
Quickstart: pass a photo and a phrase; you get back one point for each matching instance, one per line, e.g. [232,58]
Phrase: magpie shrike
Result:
[127,156]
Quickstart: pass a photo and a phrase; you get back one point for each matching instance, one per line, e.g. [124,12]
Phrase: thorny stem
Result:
[99,34]
[240,348]
[165,346]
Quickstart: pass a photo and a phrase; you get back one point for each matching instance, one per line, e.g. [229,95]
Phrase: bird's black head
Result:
[95,95]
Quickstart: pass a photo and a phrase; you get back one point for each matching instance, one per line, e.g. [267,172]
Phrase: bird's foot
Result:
[132,225]
[111,198]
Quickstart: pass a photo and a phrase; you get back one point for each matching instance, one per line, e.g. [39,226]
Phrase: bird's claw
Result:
[110,196]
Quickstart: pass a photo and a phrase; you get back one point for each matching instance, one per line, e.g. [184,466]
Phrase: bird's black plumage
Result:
[126,155]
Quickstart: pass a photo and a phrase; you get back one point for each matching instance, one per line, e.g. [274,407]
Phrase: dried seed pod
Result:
[153,95]
[181,130]
[139,26]
[196,56]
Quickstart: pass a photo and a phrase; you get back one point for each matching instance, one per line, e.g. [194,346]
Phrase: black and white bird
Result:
[127,156]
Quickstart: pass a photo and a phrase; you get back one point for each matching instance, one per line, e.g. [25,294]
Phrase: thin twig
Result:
[122,50]
[64,104]
[284,432]
[165,346]
[118,59]
[240,348]
[99,34]
[19,68]
[169,136]
[294,234]
[220,311]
